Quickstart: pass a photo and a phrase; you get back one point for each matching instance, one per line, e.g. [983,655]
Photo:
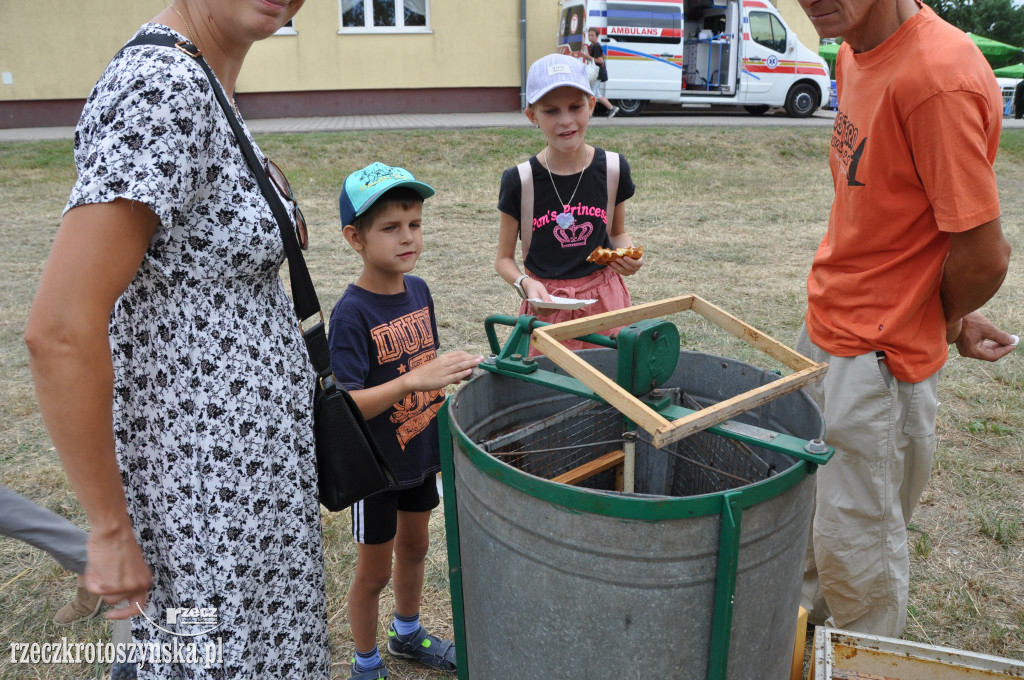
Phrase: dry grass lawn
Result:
[733,215]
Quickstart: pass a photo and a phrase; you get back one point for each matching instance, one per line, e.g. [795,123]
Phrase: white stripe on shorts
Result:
[359,521]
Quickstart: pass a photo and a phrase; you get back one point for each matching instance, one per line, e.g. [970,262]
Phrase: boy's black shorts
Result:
[375,519]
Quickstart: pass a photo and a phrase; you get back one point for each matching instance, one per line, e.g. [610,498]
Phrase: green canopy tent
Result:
[1015,71]
[828,52]
[996,52]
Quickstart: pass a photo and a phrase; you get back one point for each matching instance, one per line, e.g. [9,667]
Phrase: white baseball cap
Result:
[554,71]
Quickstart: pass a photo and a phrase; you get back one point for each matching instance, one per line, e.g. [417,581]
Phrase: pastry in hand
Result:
[607,255]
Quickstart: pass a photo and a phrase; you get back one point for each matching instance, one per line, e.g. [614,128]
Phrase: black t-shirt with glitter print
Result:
[562,254]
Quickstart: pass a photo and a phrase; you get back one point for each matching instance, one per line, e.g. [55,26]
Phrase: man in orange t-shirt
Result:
[914,247]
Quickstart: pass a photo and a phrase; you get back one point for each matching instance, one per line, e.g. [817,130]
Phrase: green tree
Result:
[996,19]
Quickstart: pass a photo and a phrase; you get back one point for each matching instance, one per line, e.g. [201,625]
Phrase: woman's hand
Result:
[117,572]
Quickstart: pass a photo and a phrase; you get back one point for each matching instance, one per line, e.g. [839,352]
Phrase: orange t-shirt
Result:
[911,156]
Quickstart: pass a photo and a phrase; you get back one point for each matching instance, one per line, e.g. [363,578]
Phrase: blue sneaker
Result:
[423,647]
[371,674]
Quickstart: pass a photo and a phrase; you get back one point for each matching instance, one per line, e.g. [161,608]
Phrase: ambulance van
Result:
[737,52]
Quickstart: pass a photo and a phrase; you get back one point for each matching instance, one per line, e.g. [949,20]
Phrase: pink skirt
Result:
[605,285]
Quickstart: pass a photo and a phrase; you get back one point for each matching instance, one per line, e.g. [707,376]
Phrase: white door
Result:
[768,71]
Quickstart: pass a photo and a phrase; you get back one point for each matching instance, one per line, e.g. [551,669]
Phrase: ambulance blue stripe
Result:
[626,14]
[644,55]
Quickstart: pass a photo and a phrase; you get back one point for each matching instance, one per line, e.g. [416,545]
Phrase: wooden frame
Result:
[547,339]
[588,470]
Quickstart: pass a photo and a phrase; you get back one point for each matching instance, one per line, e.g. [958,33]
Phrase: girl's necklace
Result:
[565,219]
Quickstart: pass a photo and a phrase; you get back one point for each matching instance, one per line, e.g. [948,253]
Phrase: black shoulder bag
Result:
[350,464]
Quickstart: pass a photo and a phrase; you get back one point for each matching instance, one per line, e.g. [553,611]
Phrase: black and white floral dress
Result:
[212,415]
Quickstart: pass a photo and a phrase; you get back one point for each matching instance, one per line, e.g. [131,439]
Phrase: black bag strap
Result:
[304,297]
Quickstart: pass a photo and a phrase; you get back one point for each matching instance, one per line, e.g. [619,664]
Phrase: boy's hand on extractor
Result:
[448,369]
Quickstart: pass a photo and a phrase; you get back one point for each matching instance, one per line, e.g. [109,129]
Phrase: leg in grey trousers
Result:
[22,519]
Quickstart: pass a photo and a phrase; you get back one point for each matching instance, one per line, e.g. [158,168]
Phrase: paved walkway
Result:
[667,117]
[427,121]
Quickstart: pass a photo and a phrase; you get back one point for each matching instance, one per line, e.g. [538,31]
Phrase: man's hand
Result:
[979,338]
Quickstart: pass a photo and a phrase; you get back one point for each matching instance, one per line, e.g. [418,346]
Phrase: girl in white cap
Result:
[558,203]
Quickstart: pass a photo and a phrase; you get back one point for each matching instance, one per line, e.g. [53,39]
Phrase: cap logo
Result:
[376,174]
[554,69]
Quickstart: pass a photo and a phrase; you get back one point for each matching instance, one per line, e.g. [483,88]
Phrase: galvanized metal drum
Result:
[695,575]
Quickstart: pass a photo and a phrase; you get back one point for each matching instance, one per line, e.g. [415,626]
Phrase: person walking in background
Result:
[594,53]
[1018,100]
[383,341]
[188,435]
[22,519]
[914,247]
[26,521]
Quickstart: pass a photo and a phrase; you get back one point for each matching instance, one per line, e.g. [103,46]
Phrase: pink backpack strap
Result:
[525,206]
[612,168]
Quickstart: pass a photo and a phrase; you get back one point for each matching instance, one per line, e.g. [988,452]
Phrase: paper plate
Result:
[560,303]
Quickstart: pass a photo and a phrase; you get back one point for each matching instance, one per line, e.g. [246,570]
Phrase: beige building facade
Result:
[339,56]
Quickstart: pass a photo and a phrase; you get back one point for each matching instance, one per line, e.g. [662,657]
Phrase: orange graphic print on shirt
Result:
[409,340]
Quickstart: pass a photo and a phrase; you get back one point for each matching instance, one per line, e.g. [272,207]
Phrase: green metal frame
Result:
[513,361]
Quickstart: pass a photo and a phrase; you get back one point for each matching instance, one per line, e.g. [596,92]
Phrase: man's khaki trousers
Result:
[857,574]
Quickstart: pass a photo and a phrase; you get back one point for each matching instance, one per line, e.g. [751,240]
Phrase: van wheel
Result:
[801,101]
[630,107]
[758,110]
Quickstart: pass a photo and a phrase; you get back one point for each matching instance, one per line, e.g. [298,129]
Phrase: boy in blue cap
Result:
[383,341]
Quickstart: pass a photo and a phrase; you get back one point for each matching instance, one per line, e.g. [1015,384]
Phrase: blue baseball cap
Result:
[553,71]
[363,187]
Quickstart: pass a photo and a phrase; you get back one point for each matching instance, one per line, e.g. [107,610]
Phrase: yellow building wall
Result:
[798,21]
[471,44]
[56,49]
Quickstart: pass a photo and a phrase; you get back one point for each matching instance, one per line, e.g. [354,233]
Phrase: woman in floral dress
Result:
[184,425]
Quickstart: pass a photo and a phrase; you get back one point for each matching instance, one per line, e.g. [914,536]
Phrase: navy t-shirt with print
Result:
[373,340]
[562,254]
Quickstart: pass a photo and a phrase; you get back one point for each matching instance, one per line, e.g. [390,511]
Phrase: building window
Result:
[385,16]
[287,29]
